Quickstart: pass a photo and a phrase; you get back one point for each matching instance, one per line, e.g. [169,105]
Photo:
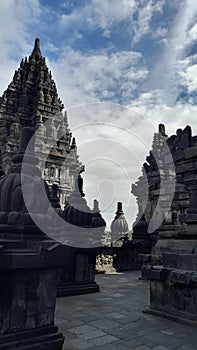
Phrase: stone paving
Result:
[113,319]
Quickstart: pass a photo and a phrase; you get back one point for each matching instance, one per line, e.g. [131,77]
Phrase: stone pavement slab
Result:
[114,320]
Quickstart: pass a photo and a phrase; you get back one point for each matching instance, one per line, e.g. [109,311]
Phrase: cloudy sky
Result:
[139,54]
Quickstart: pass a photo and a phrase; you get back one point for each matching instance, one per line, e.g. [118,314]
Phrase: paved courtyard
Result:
[113,319]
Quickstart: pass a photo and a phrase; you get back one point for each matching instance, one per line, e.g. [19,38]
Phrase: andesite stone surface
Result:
[172,269]
[31,99]
[29,262]
[83,240]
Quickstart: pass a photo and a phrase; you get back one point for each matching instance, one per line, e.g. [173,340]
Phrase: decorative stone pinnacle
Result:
[162,130]
[65,118]
[37,43]
[73,145]
[119,226]
[119,209]
[96,206]
[36,53]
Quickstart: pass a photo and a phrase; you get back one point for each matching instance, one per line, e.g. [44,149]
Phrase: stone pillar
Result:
[28,264]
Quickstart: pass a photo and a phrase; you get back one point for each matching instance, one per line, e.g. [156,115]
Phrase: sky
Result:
[121,67]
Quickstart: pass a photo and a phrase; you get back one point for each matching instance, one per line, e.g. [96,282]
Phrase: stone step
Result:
[77,289]
[49,337]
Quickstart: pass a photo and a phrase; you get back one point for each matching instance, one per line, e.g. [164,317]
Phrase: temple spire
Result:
[37,44]
[36,53]
[32,100]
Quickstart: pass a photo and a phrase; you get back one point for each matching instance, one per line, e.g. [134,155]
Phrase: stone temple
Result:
[34,268]
[31,99]
[172,265]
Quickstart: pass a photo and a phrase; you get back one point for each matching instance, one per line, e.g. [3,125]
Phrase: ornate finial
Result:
[162,130]
[96,206]
[65,118]
[22,63]
[37,43]
[36,53]
[119,226]
[97,220]
[119,209]
[73,143]
[179,131]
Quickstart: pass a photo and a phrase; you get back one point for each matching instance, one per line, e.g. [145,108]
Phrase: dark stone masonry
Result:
[29,263]
[172,267]
[84,229]
[53,244]
[31,99]
[35,268]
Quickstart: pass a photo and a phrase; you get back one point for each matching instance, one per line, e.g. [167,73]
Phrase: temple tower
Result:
[31,99]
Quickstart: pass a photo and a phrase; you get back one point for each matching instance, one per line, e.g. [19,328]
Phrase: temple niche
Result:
[31,99]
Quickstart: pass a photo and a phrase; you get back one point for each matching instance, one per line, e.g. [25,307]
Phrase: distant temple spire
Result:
[119,226]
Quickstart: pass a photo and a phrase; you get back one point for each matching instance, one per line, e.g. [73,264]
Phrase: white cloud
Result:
[15,17]
[98,76]
[113,142]
[106,13]
[174,68]
[192,34]
[145,12]
[50,47]
[189,78]
[160,33]
[153,106]
[103,14]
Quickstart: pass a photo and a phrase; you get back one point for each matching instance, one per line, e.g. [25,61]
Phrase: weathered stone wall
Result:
[151,178]
[173,269]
